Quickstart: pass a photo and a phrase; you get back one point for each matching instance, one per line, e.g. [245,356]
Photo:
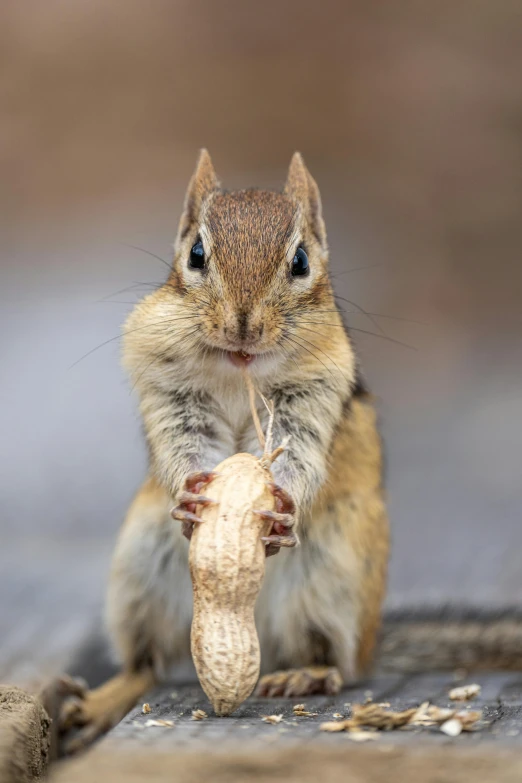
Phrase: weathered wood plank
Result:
[176,703]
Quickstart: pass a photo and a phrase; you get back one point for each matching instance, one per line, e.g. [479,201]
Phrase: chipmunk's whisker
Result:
[130,331]
[132,287]
[356,269]
[383,337]
[304,348]
[149,253]
[160,356]
[318,348]
[288,355]
[358,307]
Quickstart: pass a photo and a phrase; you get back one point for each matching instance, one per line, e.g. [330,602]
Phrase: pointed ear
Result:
[301,186]
[203,183]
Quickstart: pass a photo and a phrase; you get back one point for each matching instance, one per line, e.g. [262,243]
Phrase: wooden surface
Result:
[56,594]
[345,762]
[242,747]
[500,699]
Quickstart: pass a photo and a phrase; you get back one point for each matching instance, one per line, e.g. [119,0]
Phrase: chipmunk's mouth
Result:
[241,358]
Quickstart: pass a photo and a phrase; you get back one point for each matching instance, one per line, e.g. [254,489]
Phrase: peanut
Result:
[227,566]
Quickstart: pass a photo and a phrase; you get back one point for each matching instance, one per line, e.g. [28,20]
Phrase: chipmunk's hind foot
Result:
[325,680]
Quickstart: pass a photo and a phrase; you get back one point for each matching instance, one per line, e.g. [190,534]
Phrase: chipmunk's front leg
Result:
[200,445]
[187,439]
[301,469]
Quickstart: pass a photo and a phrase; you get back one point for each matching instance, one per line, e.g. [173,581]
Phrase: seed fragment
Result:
[272,718]
[300,709]
[465,692]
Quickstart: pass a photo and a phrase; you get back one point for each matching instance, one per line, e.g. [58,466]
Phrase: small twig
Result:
[252,399]
[269,430]
[279,450]
[269,455]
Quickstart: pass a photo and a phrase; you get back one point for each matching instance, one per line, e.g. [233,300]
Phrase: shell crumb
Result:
[272,718]
[465,692]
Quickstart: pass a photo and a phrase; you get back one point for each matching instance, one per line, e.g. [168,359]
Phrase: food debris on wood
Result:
[380,718]
[452,727]
[427,715]
[159,722]
[272,718]
[300,709]
[146,709]
[465,692]
[198,715]
[343,725]
[337,715]
[469,719]
[357,735]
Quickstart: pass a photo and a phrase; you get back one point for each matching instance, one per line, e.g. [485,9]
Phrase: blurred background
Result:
[409,115]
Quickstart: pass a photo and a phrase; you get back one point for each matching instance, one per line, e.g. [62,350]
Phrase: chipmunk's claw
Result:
[280,522]
[196,481]
[185,499]
[279,541]
[281,533]
[189,499]
[188,519]
[284,502]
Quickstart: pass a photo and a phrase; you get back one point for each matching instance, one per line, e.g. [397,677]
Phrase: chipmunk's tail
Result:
[451,638]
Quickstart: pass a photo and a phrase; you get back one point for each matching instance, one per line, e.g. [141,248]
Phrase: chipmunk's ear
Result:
[302,187]
[203,183]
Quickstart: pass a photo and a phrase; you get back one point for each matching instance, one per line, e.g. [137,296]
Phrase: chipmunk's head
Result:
[251,264]
[249,285]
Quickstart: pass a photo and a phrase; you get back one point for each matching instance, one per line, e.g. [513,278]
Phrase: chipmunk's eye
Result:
[300,262]
[197,255]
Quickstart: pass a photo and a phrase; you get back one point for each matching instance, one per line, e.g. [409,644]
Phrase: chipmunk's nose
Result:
[243,327]
[242,324]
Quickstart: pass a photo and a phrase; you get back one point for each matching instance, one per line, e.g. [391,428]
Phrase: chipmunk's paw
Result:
[300,682]
[53,696]
[189,498]
[68,703]
[58,690]
[283,520]
[83,719]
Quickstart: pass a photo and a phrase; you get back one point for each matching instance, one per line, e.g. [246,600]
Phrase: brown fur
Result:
[320,604]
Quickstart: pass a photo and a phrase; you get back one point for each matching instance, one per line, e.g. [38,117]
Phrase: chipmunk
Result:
[249,290]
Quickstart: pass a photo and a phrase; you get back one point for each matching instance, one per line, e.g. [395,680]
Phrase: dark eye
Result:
[300,262]
[197,256]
